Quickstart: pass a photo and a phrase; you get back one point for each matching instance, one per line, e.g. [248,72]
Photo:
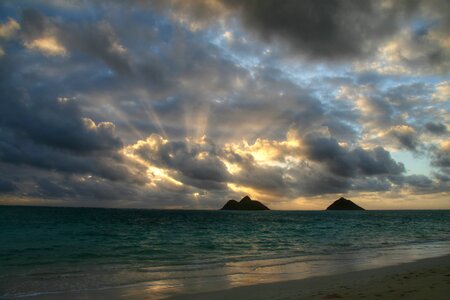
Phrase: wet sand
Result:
[424,279]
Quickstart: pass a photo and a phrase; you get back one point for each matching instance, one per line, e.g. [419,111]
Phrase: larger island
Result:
[245,204]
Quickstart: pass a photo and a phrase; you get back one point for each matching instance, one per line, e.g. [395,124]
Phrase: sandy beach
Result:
[423,279]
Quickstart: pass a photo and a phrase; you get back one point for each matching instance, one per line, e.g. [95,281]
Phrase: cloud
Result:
[55,123]
[441,155]
[350,162]
[406,136]
[6,186]
[9,29]
[323,29]
[409,52]
[194,163]
[40,33]
[436,128]
[99,41]
[47,45]
[419,182]
[442,91]
[55,38]
[396,116]
[331,30]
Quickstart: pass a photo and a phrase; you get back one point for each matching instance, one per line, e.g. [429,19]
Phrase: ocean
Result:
[48,250]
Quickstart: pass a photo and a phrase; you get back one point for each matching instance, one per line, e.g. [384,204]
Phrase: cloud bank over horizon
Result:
[186,104]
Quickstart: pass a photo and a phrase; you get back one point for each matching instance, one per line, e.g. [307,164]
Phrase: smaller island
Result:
[245,204]
[344,204]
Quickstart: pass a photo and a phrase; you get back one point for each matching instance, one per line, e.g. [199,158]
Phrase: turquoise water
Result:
[44,249]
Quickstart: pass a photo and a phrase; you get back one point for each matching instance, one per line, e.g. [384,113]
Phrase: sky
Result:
[186,104]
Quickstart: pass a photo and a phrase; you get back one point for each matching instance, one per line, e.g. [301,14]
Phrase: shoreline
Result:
[427,278]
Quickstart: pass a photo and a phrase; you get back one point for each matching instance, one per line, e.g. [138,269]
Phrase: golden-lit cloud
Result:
[442,91]
[48,45]
[9,28]
[156,175]
[7,31]
[267,152]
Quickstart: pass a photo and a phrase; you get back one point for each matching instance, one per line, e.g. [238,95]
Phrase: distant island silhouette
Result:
[344,204]
[245,204]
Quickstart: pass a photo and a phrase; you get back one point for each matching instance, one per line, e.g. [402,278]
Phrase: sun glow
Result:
[232,168]
[269,152]
[158,175]
[245,190]
[154,174]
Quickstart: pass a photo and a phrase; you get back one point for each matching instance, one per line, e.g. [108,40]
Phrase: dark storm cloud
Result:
[350,163]
[57,127]
[53,122]
[419,181]
[34,24]
[20,151]
[98,41]
[371,184]
[331,29]
[314,181]
[311,180]
[443,181]
[436,128]
[322,184]
[380,111]
[441,156]
[406,137]
[7,186]
[421,184]
[340,129]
